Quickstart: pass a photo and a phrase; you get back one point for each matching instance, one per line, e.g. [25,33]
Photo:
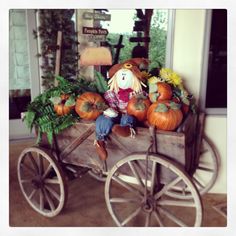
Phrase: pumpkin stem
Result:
[87,107]
[175,106]
[161,108]
[140,105]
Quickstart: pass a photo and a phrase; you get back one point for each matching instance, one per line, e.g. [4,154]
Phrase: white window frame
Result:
[170,39]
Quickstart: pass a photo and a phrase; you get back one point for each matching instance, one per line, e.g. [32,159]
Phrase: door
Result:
[24,79]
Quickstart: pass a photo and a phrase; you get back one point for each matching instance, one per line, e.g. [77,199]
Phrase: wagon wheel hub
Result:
[37,183]
[149,204]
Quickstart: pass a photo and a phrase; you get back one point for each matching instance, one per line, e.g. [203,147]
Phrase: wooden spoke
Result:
[165,202]
[167,186]
[126,185]
[24,165]
[47,171]
[49,200]
[172,217]
[158,218]
[41,200]
[200,167]
[32,193]
[51,181]
[201,185]
[53,192]
[131,216]
[123,200]
[147,220]
[203,151]
[142,167]
[33,162]
[136,174]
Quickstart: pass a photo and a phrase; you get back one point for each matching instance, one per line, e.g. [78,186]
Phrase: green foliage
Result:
[40,112]
[101,83]
[52,21]
[157,46]
[161,108]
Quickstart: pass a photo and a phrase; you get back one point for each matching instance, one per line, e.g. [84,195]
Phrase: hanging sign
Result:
[95,31]
[95,38]
[96,16]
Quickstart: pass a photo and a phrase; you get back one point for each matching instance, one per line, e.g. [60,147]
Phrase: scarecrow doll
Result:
[125,82]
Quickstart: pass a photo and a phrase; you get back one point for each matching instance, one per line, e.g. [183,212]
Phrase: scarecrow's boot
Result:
[101,149]
[124,131]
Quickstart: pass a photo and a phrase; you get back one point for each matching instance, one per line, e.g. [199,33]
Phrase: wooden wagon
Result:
[148,180]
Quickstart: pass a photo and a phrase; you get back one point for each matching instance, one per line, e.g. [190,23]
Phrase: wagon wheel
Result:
[130,203]
[42,181]
[206,171]
[208,166]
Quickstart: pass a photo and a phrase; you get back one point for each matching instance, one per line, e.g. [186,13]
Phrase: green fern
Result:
[40,112]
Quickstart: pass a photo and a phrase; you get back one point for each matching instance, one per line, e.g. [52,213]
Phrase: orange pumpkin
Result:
[61,108]
[164,92]
[138,107]
[165,115]
[90,105]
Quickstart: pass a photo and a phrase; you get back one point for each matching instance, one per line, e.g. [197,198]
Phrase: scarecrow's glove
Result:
[110,112]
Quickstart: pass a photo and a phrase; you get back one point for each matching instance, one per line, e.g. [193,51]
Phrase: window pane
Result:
[19,82]
[216,93]
[123,22]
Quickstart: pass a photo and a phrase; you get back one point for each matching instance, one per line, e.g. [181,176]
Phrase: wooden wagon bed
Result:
[75,144]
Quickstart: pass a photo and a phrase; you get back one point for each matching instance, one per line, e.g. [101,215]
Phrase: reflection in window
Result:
[121,26]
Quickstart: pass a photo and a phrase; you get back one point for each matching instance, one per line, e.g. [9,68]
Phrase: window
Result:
[123,22]
[215,74]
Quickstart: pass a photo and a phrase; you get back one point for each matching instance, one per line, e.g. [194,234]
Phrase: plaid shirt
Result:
[114,102]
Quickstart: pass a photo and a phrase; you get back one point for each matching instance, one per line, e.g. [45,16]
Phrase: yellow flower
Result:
[171,77]
[175,79]
[165,73]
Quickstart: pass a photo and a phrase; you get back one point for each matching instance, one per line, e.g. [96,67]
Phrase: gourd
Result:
[90,105]
[138,107]
[165,115]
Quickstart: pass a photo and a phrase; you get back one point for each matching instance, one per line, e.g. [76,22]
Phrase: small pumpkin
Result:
[184,106]
[164,92]
[62,109]
[165,115]
[138,107]
[63,104]
[90,105]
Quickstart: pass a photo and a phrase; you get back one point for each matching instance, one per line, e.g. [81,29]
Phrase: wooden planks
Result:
[76,144]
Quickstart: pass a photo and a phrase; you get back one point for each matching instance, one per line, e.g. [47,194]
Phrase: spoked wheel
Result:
[41,181]
[206,171]
[135,193]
